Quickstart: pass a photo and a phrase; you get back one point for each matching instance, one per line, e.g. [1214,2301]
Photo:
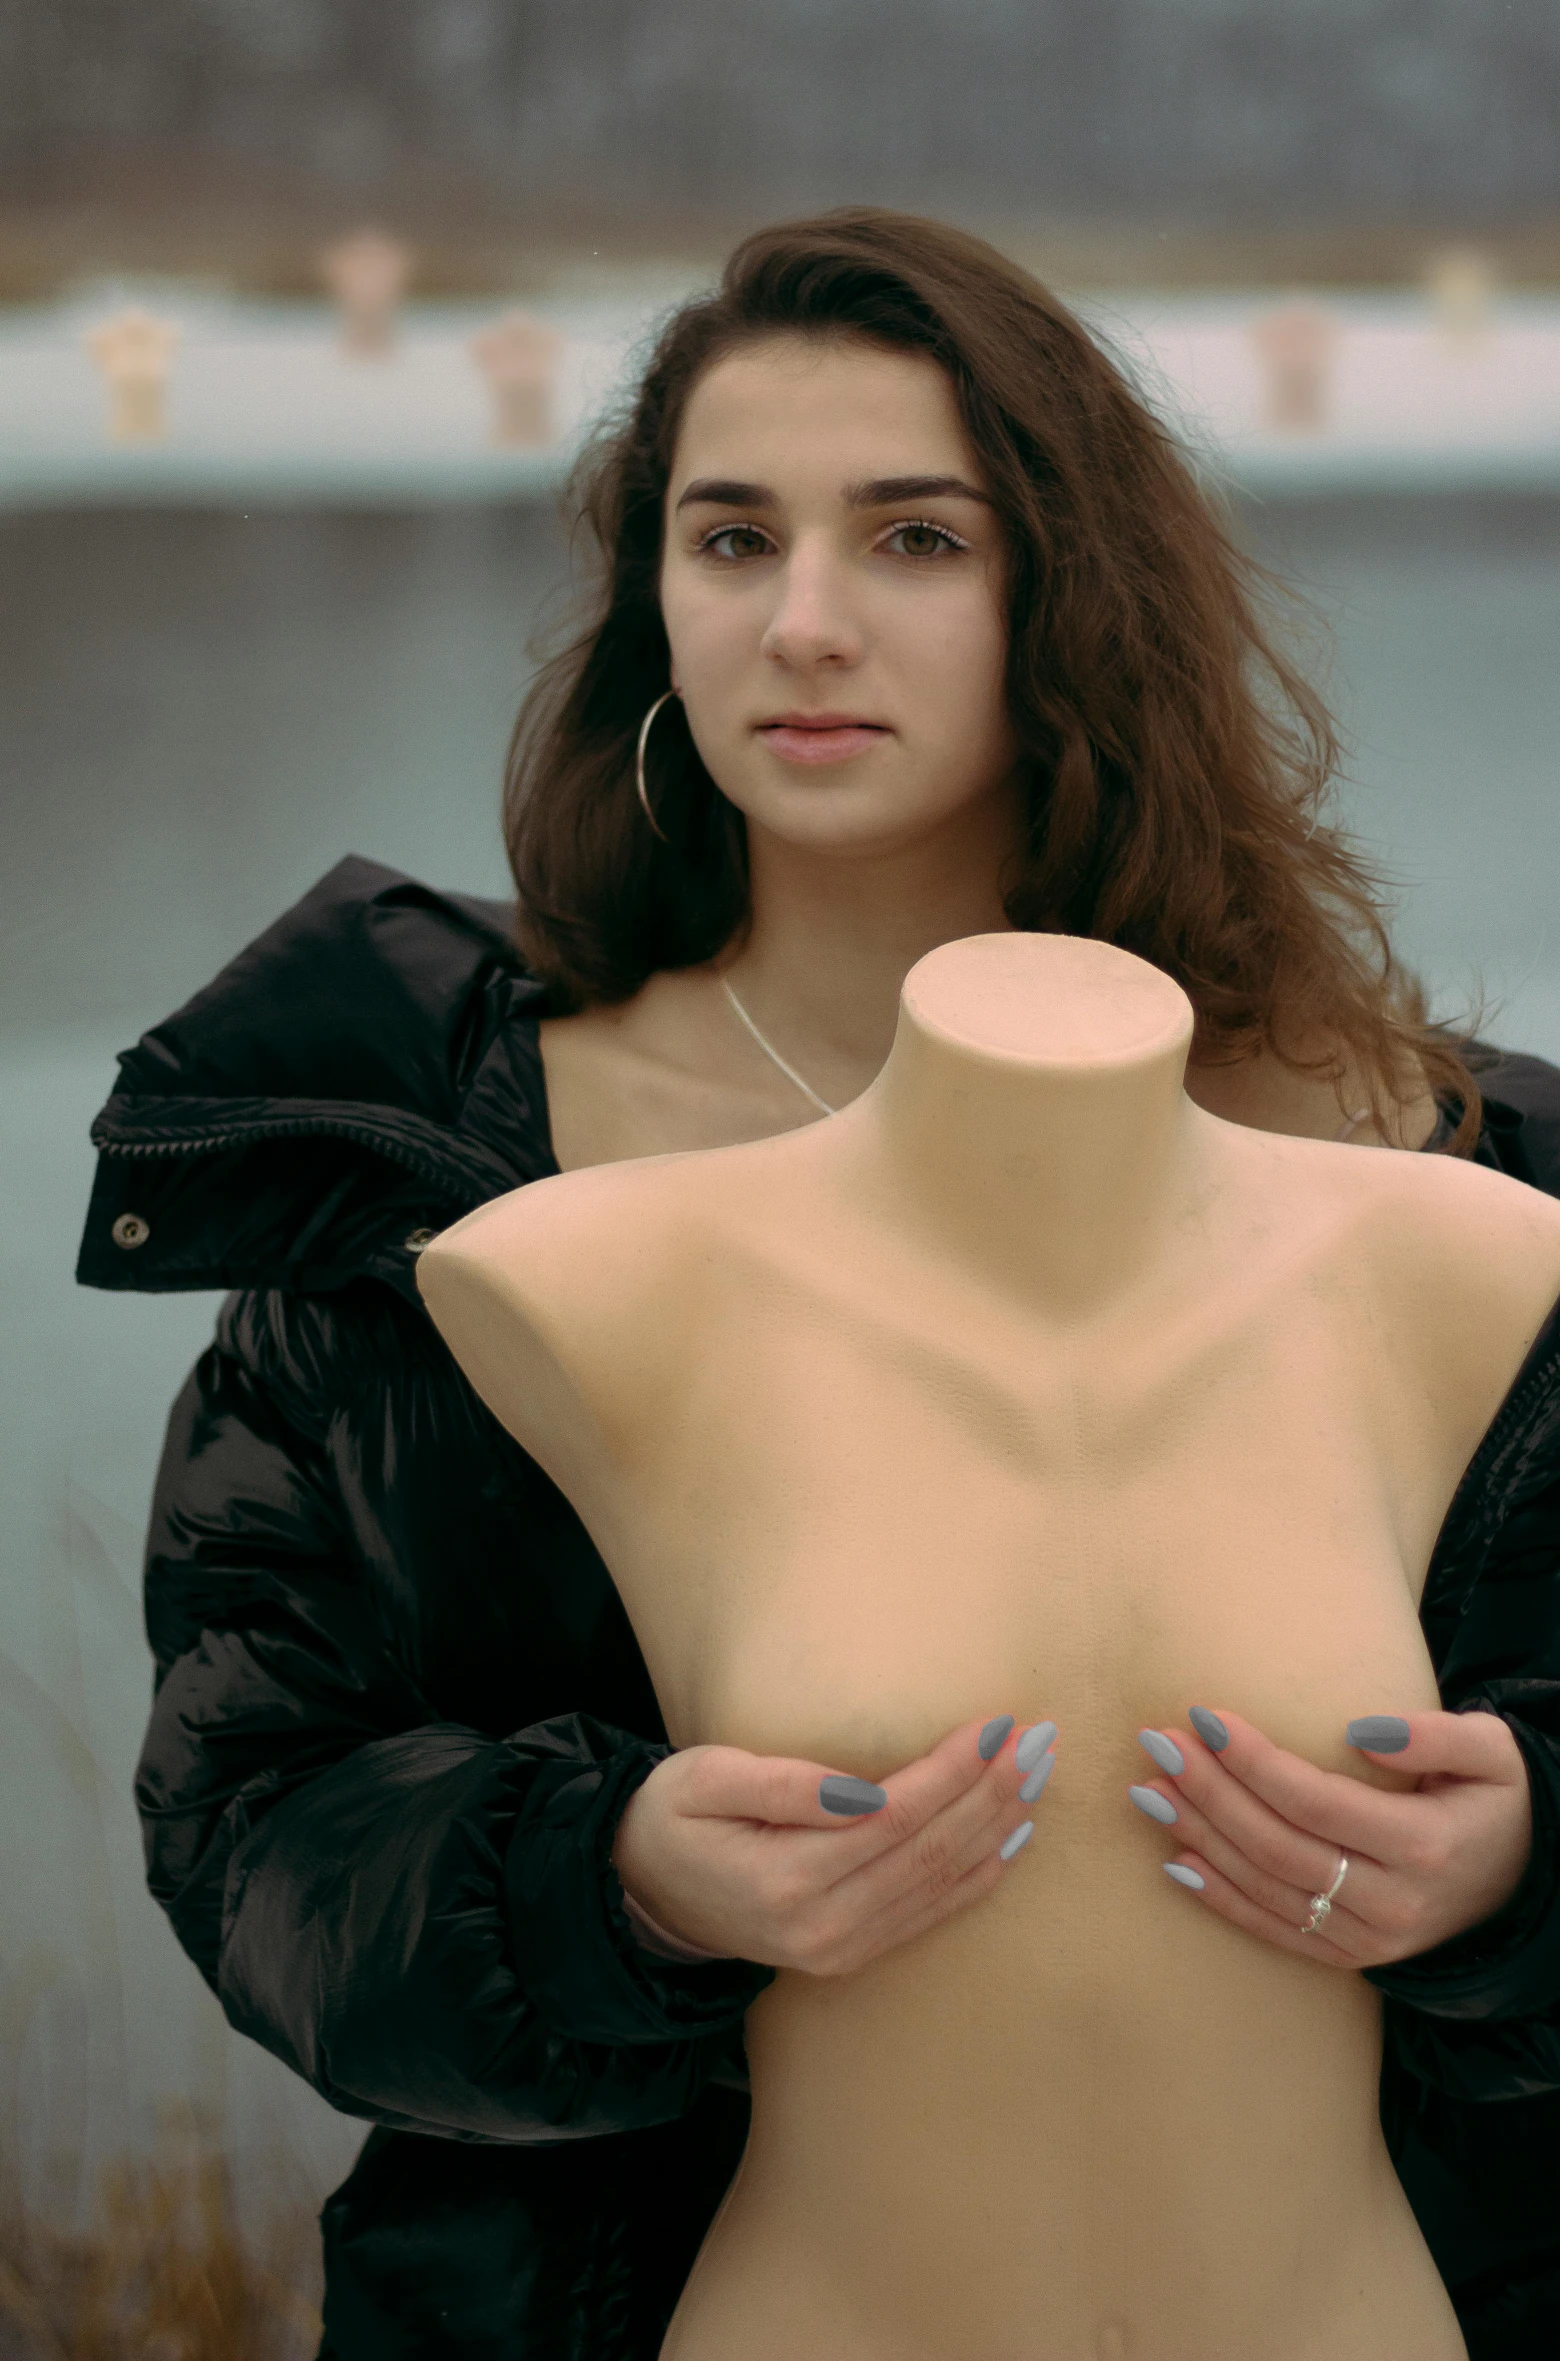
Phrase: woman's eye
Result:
[752,542]
[922,540]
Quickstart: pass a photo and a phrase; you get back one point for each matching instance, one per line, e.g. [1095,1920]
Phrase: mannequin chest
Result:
[857,1535]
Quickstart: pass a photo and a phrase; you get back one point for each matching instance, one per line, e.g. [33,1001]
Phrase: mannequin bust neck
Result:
[1031,1116]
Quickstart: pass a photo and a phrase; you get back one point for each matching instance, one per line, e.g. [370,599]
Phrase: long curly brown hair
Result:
[1176,761]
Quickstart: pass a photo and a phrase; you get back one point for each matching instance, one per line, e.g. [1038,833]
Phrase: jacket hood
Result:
[366,1069]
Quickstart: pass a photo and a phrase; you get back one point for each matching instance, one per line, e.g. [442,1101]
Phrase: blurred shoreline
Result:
[462,248]
[262,401]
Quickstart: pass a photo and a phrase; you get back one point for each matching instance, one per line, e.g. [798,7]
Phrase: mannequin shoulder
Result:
[1482,1226]
[1467,1260]
[563,1301]
[574,1249]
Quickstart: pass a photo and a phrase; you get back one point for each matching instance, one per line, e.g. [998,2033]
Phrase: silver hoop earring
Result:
[639,763]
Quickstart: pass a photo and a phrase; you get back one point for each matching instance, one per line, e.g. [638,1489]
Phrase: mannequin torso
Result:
[1025,1384]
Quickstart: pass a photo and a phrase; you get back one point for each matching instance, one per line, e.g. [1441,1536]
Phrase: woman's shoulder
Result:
[1521,1131]
[362,989]
[363,1069]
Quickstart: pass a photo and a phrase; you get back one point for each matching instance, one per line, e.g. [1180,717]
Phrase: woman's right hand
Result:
[734,1851]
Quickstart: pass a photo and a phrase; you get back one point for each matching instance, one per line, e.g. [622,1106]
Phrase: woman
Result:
[394,1747]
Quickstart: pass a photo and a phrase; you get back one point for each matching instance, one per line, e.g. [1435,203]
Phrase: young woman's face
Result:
[833,588]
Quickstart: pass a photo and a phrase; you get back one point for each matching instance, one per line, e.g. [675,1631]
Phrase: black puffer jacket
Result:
[399,1707]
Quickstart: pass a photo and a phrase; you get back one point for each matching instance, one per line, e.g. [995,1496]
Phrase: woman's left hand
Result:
[1264,1830]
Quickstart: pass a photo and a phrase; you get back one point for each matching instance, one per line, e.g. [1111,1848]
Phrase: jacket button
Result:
[130,1230]
[419,1239]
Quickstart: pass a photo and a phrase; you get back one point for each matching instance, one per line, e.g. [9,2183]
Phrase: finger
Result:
[1227,1900]
[950,1863]
[911,1914]
[1341,1808]
[780,1790]
[728,1782]
[941,1850]
[1207,1799]
[1276,1868]
[1472,1745]
[731,1783]
[995,1750]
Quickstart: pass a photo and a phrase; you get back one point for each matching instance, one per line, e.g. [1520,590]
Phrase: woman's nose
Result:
[813,621]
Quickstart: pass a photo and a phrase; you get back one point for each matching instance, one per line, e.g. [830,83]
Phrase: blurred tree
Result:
[1316,110]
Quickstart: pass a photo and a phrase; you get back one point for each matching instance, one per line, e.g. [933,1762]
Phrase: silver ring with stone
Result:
[1321,1904]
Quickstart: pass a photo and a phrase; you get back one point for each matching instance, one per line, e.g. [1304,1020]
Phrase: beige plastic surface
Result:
[1023,1385]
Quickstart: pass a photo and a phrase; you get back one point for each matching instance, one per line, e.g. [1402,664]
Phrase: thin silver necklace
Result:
[1352,1122]
[774,1056]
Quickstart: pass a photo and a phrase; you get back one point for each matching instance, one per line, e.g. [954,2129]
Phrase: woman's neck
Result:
[830,942]
[1031,1112]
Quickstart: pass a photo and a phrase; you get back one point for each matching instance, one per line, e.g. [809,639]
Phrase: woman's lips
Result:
[820,741]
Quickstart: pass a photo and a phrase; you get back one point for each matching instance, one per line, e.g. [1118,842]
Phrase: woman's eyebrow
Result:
[885,491]
[724,492]
[889,491]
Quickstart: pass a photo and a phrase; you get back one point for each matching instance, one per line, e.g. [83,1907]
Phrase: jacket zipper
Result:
[305,1127]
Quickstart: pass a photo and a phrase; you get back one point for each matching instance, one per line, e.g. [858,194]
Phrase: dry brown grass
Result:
[164,2272]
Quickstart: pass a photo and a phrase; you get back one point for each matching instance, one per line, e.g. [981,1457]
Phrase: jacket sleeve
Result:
[420,1918]
[1479,2016]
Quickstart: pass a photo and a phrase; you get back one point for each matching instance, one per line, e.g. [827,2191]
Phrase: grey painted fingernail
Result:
[1155,1805]
[993,1735]
[1164,1750]
[1035,1783]
[1184,1877]
[1209,1728]
[1017,1841]
[1382,1733]
[1032,1744]
[841,1793]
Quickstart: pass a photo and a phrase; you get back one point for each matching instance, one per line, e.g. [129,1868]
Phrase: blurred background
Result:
[304,305]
